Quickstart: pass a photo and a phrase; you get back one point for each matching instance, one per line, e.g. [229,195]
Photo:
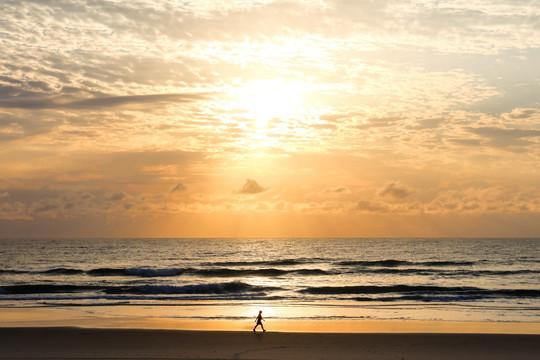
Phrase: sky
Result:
[320,118]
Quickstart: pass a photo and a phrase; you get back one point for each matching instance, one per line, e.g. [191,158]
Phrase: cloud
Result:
[116,196]
[117,169]
[46,205]
[336,117]
[20,125]
[14,211]
[370,206]
[394,190]
[429,123]
[251,187]
[485,200]
[503,138]
[466,142]
[179,188]
[55,204]
[471,22]
[379,122]
[125,99]
[335,191]
[95,103]
[521,114]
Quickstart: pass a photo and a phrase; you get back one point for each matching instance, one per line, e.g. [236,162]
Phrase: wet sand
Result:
[84,343]
[125,318]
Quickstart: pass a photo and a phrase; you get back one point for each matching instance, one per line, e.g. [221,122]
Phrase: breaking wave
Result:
[420,291]
[394,263]
[148,272]
[234,287]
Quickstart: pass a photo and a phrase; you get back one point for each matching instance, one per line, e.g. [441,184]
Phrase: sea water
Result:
[299,279]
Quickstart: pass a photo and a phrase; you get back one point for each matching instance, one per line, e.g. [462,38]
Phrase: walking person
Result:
[259,321]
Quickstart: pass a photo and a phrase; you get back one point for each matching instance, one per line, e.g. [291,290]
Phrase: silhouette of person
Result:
[259,321]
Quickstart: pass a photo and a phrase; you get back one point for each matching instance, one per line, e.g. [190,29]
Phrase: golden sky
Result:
[269,118]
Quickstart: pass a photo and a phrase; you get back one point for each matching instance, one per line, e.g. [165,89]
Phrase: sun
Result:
[265,100]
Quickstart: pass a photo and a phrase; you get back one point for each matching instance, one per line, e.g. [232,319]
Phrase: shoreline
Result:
[80,343]
[65,317]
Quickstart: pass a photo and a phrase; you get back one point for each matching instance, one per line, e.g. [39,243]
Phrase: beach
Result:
[187,299]
[83,343]
[52,333]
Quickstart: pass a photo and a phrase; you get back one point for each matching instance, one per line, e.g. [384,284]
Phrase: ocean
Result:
[494,280]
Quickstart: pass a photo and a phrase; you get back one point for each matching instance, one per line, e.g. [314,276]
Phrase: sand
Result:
[81,343]
[160,318]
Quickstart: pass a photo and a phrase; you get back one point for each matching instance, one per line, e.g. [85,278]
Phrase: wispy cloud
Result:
[504,138]
[36,103]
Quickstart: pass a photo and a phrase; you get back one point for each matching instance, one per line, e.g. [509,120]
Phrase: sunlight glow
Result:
[265,100]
